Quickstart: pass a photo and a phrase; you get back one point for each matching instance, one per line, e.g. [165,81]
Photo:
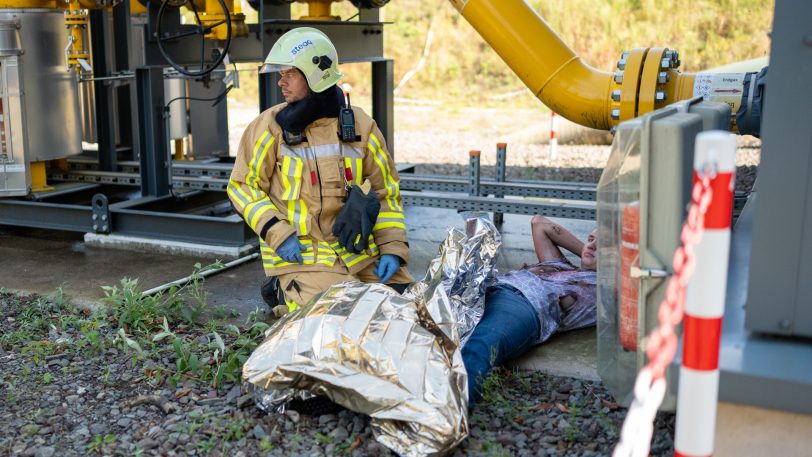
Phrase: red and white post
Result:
[705,301]
[553,135]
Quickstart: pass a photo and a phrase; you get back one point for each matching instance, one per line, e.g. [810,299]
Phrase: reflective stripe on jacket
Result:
[282,190]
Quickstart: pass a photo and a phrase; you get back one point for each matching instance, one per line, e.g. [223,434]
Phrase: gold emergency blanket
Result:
[394,357]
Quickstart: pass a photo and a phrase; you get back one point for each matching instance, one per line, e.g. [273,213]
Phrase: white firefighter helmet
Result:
[310,51]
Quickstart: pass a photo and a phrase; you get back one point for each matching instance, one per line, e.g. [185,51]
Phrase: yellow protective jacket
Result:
[281,190]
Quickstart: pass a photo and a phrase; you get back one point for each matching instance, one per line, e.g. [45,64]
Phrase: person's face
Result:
[589,260]
[293,85]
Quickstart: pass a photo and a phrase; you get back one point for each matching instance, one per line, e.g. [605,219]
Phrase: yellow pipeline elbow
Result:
[648,78]
[544,62]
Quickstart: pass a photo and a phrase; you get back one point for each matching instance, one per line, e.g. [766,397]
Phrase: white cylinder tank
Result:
[175,92]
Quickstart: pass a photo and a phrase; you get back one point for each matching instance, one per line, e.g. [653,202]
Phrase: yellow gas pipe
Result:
[27,4]
[76,21]
[319,10]
[212,13]
[647,79]
[136,7]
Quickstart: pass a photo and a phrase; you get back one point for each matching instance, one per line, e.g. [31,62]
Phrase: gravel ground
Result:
[76,382]
[72,385]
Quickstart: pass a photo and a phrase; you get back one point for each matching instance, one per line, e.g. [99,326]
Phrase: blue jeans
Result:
[508,328]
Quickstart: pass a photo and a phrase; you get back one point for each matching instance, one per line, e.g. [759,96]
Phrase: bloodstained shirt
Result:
[545,284]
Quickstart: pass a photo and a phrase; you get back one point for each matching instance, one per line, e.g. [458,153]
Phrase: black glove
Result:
[271,292]
[357,217]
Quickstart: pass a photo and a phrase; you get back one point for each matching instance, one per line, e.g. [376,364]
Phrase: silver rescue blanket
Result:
[394,357]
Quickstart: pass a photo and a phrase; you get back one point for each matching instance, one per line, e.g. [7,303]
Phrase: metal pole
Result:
[553,135]
[122,30]
[705,300]
[501,169]
[383,107]
[202,274]
[153,136]
[269,92]
[473,183]
[108,155]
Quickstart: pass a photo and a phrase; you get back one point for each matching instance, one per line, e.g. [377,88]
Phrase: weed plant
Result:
[174,325]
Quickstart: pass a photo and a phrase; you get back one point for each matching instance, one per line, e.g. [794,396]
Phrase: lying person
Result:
[525,307]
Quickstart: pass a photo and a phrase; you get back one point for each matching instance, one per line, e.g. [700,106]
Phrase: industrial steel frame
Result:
[140,102]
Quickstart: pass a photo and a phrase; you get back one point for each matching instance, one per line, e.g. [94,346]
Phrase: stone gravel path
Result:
[71,385]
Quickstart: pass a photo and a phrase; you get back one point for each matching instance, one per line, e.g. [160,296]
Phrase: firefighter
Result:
[324,199]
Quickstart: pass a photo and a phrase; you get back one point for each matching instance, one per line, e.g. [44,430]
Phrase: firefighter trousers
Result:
[298,288]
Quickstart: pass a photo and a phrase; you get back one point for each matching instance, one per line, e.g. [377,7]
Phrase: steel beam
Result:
[122,32]
[548,189]
[103,93]
[125,219]
[56,216]
[215,178]
[383,106]
[221,231]
[571,210]
[269,92]
[355,41]
[501,170]
[154,138]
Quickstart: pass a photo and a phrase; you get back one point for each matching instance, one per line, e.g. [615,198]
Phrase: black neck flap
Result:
[298,115]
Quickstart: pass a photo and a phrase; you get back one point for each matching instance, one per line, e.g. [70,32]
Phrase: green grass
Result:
[99,443]
[321,438]
[175,324]
[494,449]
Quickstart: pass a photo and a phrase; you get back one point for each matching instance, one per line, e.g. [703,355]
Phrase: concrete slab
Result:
[141,244]
[39,261]
[750,431]
[571,354]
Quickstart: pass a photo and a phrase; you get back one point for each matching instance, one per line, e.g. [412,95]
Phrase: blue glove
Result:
[291,250]
[388,265]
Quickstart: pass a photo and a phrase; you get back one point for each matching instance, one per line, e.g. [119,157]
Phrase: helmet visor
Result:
[272,67]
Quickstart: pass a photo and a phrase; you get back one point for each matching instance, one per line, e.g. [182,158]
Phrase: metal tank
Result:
[178,121]
[50,93]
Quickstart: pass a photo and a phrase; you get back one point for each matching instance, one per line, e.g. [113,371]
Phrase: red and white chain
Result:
[650,385]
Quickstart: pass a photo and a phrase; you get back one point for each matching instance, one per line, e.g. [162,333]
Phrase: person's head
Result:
[293,84]
[589,259]
[307,62]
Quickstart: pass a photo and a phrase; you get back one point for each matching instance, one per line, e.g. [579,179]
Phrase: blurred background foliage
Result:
[462,70]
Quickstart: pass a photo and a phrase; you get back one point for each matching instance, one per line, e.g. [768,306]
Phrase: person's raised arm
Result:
[549,237]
